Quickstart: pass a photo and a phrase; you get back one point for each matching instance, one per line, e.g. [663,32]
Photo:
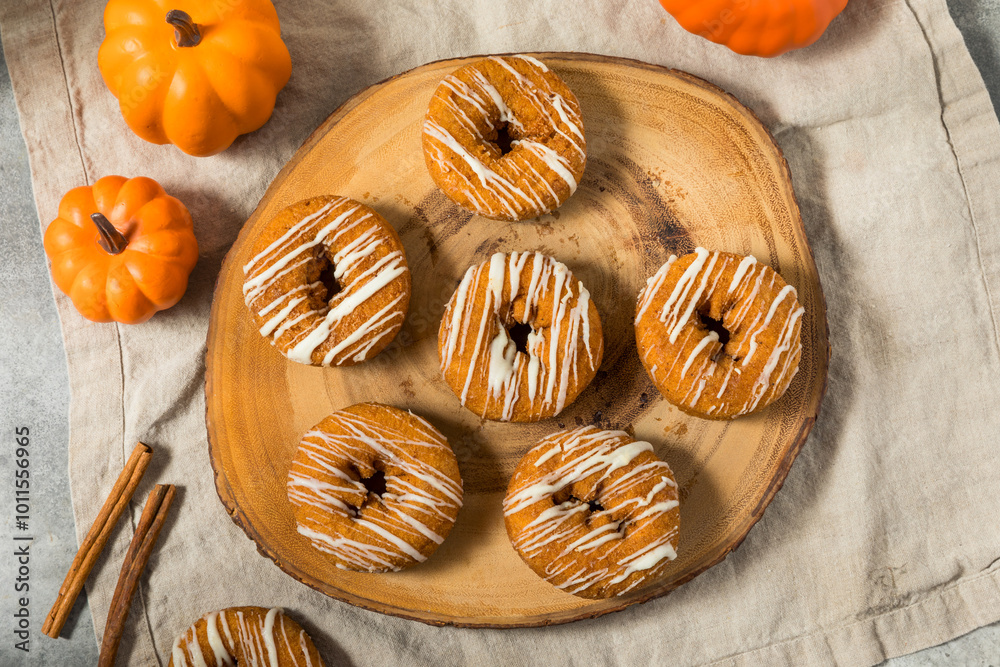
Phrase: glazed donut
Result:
[748,304]
[245,636]
[593,512]
[375,530]
[481,361]
[468,115]
[291,305]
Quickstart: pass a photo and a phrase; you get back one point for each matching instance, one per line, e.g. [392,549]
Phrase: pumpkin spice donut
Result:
[328,283]
[593,512]
[719,333]
[482,358]
[479,109]
[245,636]
[376,488]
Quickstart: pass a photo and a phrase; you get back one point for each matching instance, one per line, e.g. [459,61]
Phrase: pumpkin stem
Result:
[185,29]
[112,240]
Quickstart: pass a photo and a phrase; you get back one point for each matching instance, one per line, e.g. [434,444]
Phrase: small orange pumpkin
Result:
[121,249]
[756,27]
[193,73]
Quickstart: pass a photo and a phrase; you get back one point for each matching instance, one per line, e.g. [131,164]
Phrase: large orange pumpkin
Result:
[121,249]
[193,73]
[756,27]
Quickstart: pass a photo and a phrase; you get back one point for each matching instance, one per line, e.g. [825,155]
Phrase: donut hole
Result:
[375,483]
[328,277]
[519,333]
[504,140]
[595,506]
[565,495]
[715,325]
[596,514]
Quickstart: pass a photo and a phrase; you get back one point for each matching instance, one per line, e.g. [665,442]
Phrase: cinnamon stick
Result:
[97,537]
[139,550]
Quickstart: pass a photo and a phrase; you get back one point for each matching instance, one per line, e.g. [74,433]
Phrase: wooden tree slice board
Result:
[673,162]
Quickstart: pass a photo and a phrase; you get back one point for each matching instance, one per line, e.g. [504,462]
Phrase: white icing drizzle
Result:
[785,291]
[187,651]
[652,287]
[476,104]
[502,351]
[365,265]
[741,271]
[256,642]
[268,636]
[222,656]
[712,337]
[249,640]
[225,628]
[394,527]
[476,349]
[677,311]
[304,645]
[594,551]
[553,161]
[707,369]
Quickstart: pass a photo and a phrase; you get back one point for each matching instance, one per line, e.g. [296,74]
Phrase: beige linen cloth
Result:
[885,538]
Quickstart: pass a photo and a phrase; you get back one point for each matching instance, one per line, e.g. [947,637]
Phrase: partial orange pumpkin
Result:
[756,27]
[194,73]
[121,249]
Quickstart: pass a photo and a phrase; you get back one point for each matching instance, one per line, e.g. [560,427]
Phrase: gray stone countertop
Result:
[34,393]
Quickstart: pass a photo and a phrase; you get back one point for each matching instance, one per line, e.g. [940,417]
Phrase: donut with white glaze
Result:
[517,96]
[291,304]
[595,513]
[367,529]
[719,333]
[480,358]
[245,636]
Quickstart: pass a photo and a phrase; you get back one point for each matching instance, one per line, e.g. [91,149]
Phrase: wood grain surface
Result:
[673,162]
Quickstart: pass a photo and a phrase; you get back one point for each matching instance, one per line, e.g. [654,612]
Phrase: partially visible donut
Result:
[740,299]
[363,529]
[593,512]
[480,359]
[289,301]
[467,116]
[245,636]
